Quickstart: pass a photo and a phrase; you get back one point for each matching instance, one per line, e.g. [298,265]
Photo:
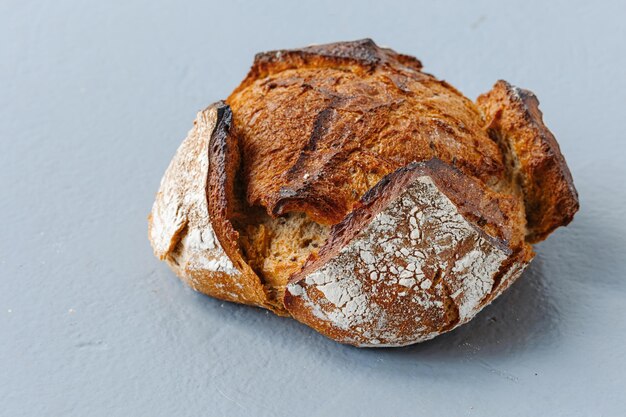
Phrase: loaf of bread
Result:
[342,186]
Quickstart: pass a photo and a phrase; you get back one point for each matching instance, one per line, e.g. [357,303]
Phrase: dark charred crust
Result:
[219,149]
[363,51]
[223,161]
[225,202]
[361,54]
[444,127]
[224,119]
[321,126]
[409,61]
[470,197]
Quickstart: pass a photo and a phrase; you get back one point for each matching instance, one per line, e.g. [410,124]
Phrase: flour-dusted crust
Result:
[534,157]
[411,262]
[180,227]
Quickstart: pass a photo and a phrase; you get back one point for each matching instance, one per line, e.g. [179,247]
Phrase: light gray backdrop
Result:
[96,96]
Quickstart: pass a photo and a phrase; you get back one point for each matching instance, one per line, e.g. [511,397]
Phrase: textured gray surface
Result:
[95,98]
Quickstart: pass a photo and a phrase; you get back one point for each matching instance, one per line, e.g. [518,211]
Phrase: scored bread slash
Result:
[182,231]
[413,260]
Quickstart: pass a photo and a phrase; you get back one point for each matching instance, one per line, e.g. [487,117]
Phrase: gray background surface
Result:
[96,96]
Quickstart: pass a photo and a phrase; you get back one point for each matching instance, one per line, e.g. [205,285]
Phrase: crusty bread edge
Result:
[539,169]
[181,230]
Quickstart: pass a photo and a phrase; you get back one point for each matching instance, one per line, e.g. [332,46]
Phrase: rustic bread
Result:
[342,186]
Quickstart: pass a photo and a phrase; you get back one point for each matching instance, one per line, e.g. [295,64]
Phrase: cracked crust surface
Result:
[408,263]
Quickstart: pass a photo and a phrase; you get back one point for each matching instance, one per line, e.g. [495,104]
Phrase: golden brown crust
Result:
[320,126]
[515,121]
